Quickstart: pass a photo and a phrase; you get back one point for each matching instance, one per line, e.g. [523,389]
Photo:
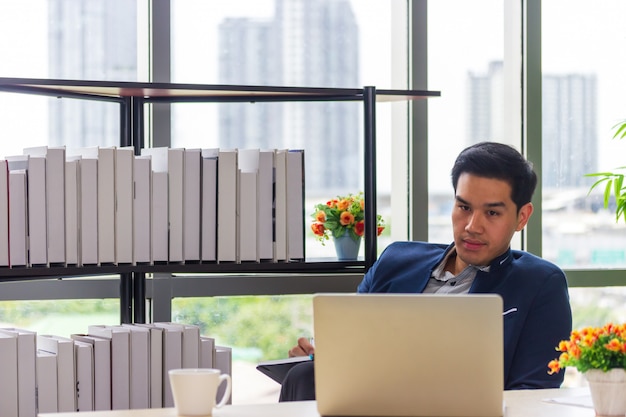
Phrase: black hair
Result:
[498,161]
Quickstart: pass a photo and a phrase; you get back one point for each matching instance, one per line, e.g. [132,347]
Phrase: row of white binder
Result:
[107,368]
[108,206]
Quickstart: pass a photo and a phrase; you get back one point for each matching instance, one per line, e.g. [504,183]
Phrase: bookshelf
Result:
[216,278]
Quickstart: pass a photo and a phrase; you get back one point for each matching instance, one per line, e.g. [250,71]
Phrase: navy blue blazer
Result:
[533,290]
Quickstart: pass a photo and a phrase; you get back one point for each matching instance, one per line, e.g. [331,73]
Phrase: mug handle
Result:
[224,377]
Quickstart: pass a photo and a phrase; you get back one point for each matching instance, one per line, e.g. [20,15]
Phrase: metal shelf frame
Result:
[132,98]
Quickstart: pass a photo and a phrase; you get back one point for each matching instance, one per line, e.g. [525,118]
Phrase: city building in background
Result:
[570,138]
[305,43]
[569,127]
[89,40]
[247,52]
[572,233]
[484,104]
[316,44]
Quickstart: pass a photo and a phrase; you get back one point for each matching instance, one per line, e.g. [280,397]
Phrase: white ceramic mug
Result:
[195,390]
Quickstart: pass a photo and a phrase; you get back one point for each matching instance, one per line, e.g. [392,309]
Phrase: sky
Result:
[15,39]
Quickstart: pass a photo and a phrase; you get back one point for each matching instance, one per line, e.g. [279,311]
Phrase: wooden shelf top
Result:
[195,92]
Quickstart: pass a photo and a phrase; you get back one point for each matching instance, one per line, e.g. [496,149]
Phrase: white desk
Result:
[530,403]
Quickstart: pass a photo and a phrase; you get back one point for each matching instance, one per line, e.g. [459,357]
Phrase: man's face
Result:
[484,219]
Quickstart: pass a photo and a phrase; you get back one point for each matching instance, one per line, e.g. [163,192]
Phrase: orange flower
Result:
[344,204]
[602,348]
[554,367]
[359,228]
[346,218]
[340,215]
[614,344]
[564,346]
[574,351]
[320,216]
[318,229]
[588,340]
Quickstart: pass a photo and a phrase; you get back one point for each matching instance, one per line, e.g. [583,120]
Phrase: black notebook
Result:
[277,369]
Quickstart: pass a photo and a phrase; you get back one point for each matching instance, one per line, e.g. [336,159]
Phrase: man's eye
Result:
[493,213]
[463,207]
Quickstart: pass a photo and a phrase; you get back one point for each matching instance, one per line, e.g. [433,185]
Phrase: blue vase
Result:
[347,247]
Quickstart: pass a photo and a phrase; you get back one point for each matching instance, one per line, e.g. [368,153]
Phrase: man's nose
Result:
[475,223]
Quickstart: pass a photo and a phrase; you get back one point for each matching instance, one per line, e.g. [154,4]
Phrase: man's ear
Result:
[523,215]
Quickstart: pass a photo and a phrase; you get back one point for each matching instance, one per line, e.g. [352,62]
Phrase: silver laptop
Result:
[392,355]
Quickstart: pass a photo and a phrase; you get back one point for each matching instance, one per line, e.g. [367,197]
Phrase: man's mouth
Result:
[472,244]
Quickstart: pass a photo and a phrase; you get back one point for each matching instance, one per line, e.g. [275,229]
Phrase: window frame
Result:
[523,42]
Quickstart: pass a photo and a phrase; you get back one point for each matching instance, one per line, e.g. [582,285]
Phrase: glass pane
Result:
[83,40]
[24,41]
[330,43]
[257,328]
[594,307]
[59,317]
[583,93]
[326,43]
[465,55]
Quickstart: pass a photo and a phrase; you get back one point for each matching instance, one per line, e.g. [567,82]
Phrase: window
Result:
[330,43]
[465,62]
[582,89]
[344,43]
[582,95]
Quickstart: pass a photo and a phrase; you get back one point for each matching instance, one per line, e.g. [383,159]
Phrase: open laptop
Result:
[392,355]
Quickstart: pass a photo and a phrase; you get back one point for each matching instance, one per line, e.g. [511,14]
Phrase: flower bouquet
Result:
[341,215]
[602,348]
[600,354]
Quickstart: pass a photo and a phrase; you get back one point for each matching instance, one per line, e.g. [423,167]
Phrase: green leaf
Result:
[600,174]
[607,193]
[600,181]
[621,131]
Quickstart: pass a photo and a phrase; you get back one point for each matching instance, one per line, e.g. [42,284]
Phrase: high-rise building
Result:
[570,144]
[484,101]
[249,55]
[306,43]
[568,122]
[90,40]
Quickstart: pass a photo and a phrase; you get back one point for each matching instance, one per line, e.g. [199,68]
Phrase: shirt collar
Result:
[441,274]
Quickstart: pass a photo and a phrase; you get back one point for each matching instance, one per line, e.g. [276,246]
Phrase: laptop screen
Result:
[408,354]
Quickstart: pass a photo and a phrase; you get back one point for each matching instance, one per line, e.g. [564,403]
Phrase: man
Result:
[493,186]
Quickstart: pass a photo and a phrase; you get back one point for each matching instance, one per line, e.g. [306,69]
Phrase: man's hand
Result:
[304,348]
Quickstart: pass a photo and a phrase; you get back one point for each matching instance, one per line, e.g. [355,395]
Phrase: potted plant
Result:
[342,218]
[599,353]
[614,181]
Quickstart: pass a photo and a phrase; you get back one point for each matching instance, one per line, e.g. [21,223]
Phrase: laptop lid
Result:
[408,355]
